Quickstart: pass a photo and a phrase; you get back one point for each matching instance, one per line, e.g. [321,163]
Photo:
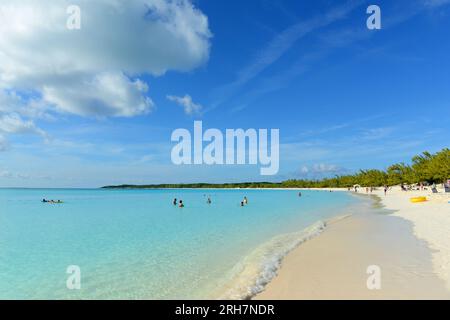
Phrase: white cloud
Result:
[325,168]
[6,174]
[95,71]
[320,170]
[13,109]
[12,102]
[13,123]
[10,175]
[304,170]
[108,94]
[190,108]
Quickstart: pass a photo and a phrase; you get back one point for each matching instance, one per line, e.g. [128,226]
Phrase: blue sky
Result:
[97,106]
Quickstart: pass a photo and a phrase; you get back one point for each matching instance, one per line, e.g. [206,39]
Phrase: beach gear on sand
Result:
[418,199]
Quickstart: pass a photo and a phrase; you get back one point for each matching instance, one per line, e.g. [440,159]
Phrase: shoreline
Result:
[414,259]
[261,266]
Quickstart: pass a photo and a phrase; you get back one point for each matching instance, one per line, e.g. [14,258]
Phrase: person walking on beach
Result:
[385,189]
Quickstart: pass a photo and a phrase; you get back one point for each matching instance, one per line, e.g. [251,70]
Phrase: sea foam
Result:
[256,270]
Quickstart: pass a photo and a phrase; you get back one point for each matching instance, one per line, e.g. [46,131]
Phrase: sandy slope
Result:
[431,222]
[411,246]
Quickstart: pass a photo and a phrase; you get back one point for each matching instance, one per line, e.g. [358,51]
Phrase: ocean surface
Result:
[135,244]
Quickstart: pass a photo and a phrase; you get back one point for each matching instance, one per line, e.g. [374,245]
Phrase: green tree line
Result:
[425,167]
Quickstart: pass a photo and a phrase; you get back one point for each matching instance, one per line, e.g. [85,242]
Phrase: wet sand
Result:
[334,264]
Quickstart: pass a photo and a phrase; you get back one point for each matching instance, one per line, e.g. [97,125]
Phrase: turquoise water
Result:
[134,244]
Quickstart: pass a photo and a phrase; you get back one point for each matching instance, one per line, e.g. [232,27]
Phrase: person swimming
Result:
[242,203]
[245,200]
[51,201]
[175,201]
[209,200]
[299,194]
[181,204]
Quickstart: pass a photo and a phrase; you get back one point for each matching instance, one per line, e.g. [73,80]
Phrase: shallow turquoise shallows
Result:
[135,244]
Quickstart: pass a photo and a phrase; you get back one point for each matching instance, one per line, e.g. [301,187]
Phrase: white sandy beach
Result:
[431,221]
[411,246]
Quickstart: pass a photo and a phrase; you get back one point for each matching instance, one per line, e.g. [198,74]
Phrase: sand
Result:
[431,222]
[411,246]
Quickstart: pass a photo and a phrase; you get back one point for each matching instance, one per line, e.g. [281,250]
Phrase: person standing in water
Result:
[181,204]
[245,200]
[175,201]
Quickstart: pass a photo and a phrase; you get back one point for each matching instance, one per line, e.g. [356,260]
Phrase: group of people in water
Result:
[244,202]
[180,203]
[51,201]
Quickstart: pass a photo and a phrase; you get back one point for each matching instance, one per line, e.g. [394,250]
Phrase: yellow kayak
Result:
[418,199]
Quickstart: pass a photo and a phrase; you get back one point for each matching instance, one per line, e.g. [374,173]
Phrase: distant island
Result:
[426,168]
